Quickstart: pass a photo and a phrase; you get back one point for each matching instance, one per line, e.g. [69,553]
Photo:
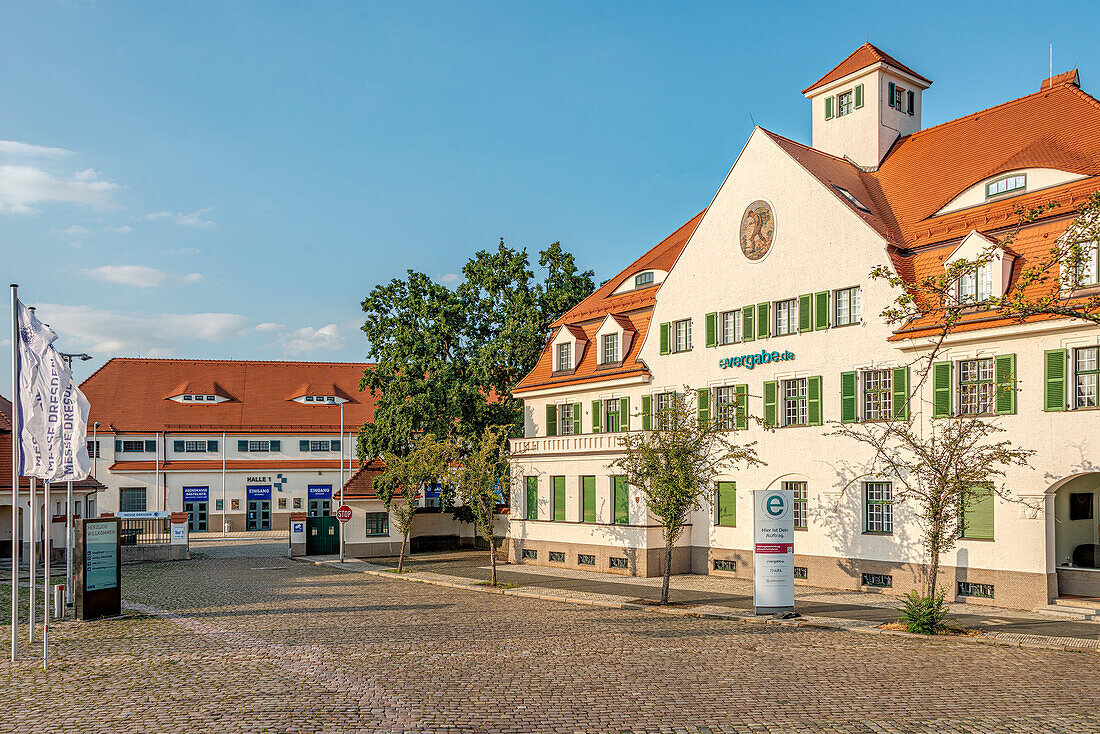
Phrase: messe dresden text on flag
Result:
[54,411]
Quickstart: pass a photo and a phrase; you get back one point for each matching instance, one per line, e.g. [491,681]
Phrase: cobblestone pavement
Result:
[236,644]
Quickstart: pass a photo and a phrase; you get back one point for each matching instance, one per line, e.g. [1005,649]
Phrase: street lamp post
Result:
[342,479]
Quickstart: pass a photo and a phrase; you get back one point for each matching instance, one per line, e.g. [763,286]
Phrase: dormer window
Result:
[975,286]
[564,357]
[844,104]
[320,398]
[197,398]
[1006,185]
[643,279]
[609,352]
[1081,266]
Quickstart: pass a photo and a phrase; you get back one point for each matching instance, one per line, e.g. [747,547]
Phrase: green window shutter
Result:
[829,107]
[890,93]
[912,98]
[275,445]
[741,421]
[664,337]
[118,447]
[551,420]
[900,384]
[647,412]
[849,386]
[712,329]
[177,445]
[859,96]
[813,401]
[941,390]
[559,499]
[211,445]
[588,499]
[978,513]
[303,445]
[624,414]
[726,511]
[748,323]
[151,446]
[622,501]
[806,313]
[532,498]
[821,310]
[763,320]
[242,445]
[577,410]
[702,402]
[1004,380]
[334,445]
[595,416]
[1054,379]
[770,389]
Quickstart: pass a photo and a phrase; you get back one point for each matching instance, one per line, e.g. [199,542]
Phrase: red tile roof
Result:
[360,486]
[131,396]
[866,55]
[634,307]
[1066,77]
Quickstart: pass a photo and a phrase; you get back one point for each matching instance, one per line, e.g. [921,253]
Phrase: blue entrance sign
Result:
[751,360]
[196,494]
[320,491]
[259,493]
[432,491]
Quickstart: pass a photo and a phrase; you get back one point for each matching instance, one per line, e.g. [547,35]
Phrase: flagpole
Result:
[33,570]
[45,568]
[68,539]
[16,452]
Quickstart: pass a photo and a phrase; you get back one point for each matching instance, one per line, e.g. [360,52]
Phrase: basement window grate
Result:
[969,588]
[724,564]
[617,563]
[877,580]
[557,557]
[529,553]
[801,572]
[584,559]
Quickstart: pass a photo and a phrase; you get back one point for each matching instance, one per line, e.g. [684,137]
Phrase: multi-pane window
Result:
[786,317]
[642,279]
[611,414]
[975,286]
[131,499]
[843,104]
[194,446]
[795,404]
[898,101]
[1085,272]
[725,407]
[799,490]
[730,323]
[877,394]
[681,335]
[135,446]
[1016,182]
[565,419]
[663,418]
[878,502]
[846,306]
[259,445]
[610,349]
[976,386]
[322,445]
[378,523]
[1086,370]
[565,357]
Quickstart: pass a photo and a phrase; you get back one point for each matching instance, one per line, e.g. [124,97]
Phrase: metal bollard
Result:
[58,601]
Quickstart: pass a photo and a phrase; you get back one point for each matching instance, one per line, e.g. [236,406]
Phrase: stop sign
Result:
[344,513]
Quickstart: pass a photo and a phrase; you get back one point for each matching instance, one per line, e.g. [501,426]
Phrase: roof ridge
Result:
[230,361]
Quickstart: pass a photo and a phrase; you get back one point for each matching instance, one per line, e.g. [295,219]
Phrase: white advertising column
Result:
[773,551]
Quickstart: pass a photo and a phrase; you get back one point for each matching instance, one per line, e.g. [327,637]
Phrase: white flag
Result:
[55,412]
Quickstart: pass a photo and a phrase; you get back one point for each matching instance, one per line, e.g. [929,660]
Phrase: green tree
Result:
[405,480]
[481,481]
[674,467]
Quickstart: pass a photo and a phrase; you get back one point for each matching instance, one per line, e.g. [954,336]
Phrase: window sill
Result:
[563,373]
[979,540]
[882,533]
[609,365]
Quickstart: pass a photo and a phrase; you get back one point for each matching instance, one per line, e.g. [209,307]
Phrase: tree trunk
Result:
[493,559]
[401,555]
[668,573]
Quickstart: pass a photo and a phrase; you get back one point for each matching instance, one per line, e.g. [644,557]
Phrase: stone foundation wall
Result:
[639,562]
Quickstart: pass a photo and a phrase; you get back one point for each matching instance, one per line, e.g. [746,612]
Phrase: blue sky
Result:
[229,179]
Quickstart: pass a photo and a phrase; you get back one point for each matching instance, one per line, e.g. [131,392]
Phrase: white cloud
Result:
[449,278]
[107,333]
[308,339]
[196,218]
[16,149]
[23,187]
[184,251]
[139,276]
[270,326]
[72,230]
[120,228]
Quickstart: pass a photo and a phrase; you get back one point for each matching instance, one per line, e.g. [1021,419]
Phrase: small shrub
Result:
[924,615]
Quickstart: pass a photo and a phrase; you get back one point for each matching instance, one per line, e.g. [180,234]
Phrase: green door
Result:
[559,499]
[322,536]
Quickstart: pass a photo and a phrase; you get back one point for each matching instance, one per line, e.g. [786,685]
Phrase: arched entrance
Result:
[1077,534]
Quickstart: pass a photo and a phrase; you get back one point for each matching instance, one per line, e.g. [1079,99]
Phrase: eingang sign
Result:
[751,360]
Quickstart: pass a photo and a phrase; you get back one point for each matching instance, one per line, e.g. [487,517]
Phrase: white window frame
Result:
[795,398]
[878,395]
[1086,378]
[643,279]
[845,103]
[730,321]
[976,386]
[609,348]
[565,419]
[846,306]
[564,357]
[786,317]
[662,401]
[898,102]
[976,286]
[259,446]
[725,395]
[878,507]
[681,335]
[1013,183]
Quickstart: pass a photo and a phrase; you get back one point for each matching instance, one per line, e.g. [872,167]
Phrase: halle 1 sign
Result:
[343,514]
[773,551]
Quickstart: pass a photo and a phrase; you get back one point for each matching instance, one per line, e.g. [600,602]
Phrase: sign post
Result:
[343,514]
[773,551]
[98,561]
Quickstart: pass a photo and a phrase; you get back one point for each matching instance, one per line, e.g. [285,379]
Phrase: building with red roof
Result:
[762,307]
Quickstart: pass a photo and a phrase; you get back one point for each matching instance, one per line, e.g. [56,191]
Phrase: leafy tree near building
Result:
[405,480]
[447,359]
[674,466]
[481,479]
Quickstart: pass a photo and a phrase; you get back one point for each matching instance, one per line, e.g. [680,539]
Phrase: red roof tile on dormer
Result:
[866,55]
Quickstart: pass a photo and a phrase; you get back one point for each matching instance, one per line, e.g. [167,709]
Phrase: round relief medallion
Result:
[757,230]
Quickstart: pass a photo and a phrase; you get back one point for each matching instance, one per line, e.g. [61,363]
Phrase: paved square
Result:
[240,644]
